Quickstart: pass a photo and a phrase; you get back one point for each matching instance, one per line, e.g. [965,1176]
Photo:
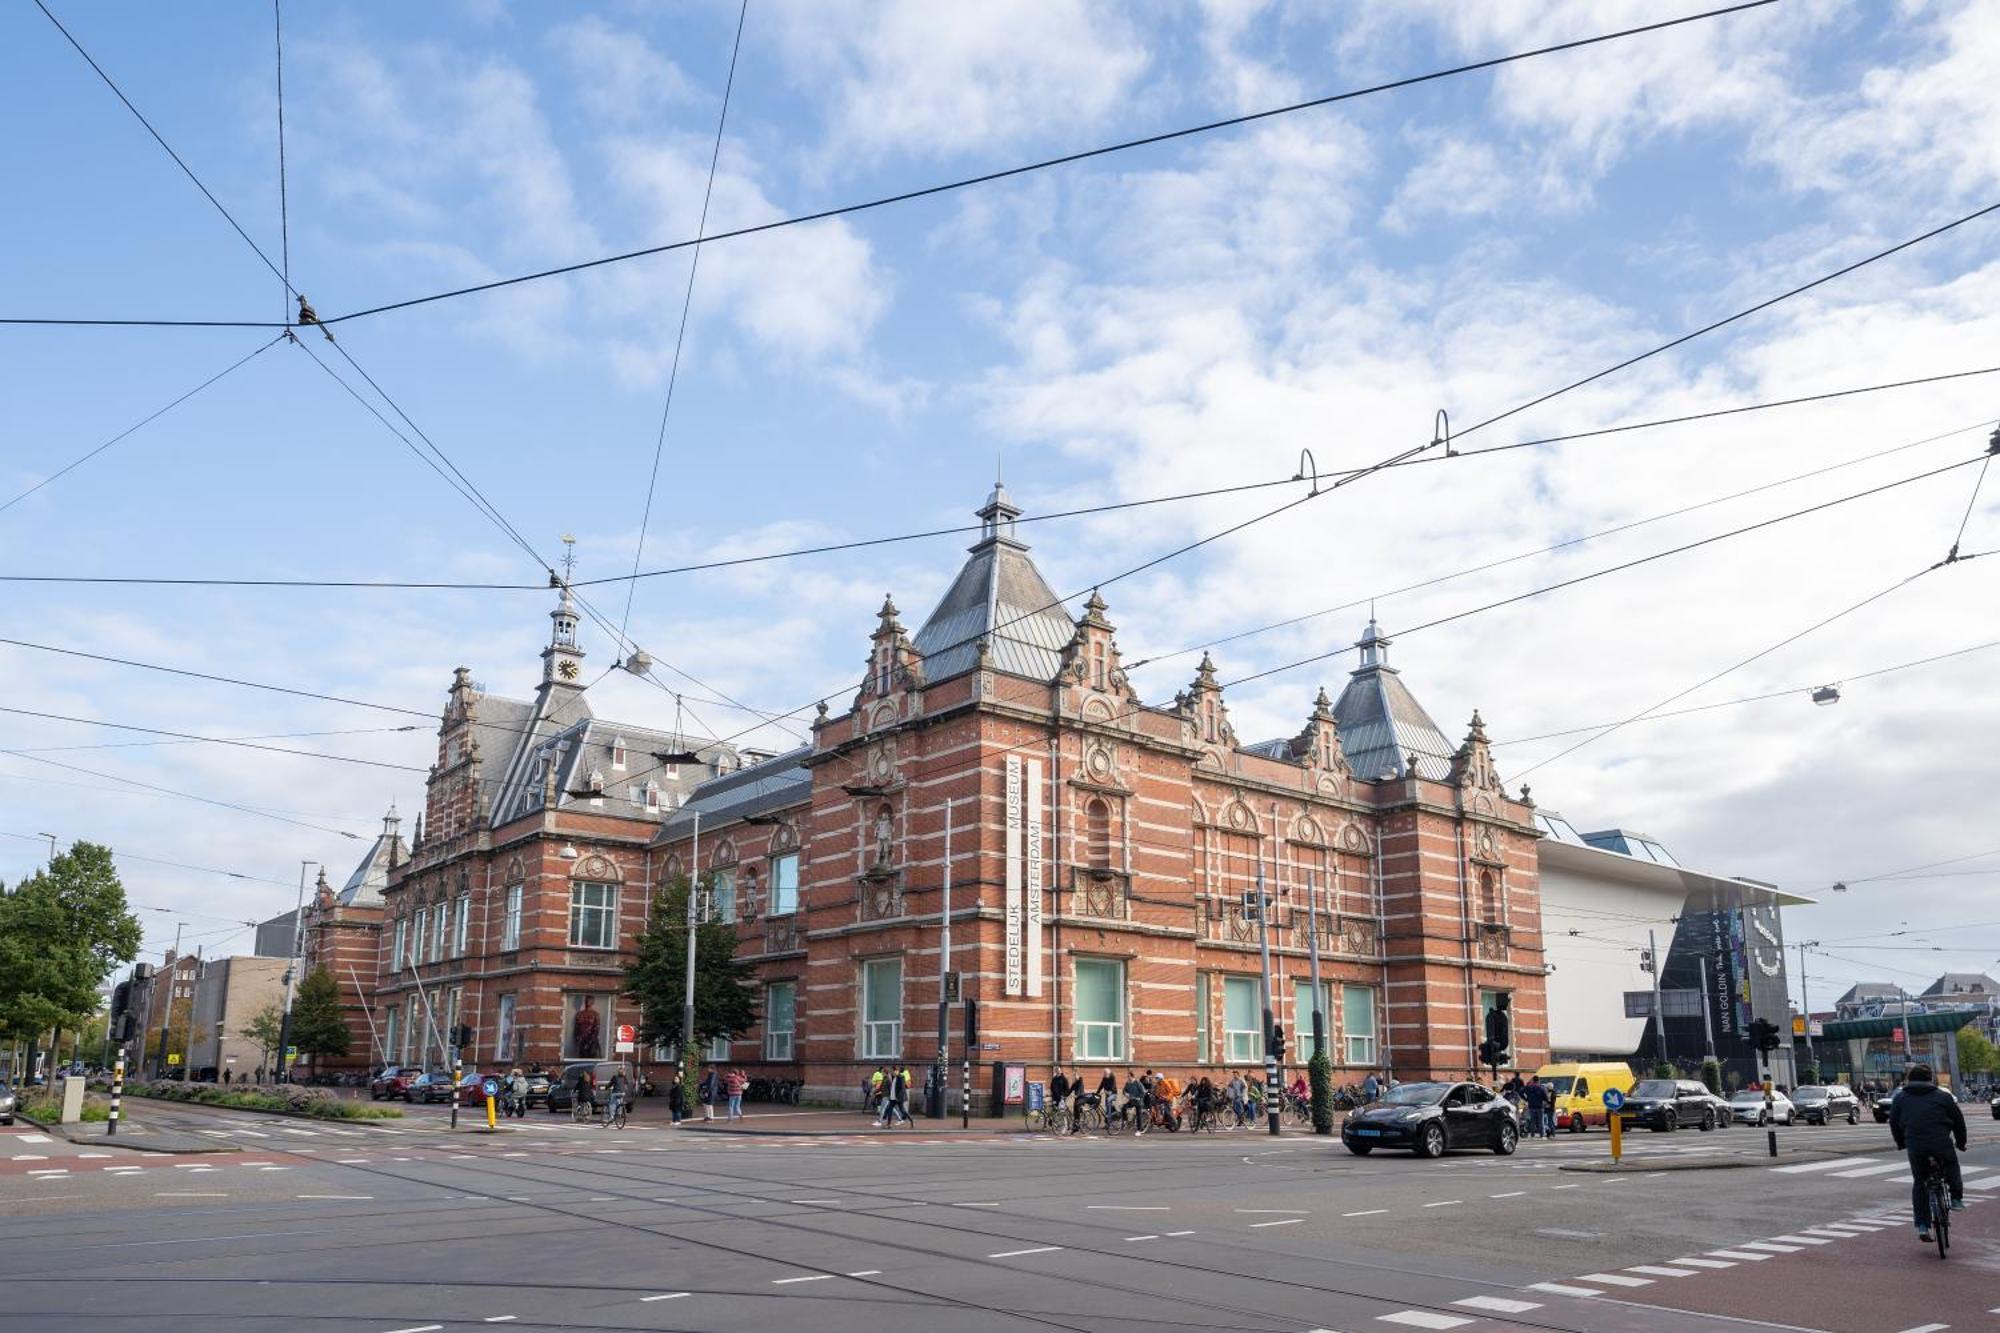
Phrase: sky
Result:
[1178,317]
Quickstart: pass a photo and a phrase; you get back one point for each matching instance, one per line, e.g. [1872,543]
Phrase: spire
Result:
[391,823]
[888,625]
[1374,646]
[1322,707]
[997,515]
[562,660]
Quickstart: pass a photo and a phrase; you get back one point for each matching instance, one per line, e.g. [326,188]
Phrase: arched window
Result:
[1097,658]
[1489,898]
[1097,833]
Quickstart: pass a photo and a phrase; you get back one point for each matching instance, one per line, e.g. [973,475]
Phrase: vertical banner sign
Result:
[1034,875]
[1014,878]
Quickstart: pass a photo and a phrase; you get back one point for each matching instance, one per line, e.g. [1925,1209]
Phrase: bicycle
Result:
[1087,1117]
[615,1114]
[1938,1194]
[582,1112]
[1206,1119]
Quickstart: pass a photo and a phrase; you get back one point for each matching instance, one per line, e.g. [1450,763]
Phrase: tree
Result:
[1711,1074]
[264,1028]
[62,931]
[1976,1055]
[725,991]
[319,1026]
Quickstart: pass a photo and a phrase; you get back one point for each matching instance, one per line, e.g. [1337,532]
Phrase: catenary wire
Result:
[79,461]
[154,860]
[1971,501]
[190,796]
[1063,160]
[284,201]
[261,736]
[687,305]
[212,740]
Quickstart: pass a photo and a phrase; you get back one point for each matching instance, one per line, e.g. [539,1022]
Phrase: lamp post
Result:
[1272,1099]
[292,976]
[687,994]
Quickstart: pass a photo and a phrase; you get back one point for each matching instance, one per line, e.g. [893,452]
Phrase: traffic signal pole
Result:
[1272,1089]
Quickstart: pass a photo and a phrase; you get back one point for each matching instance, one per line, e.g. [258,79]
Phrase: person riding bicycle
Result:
[586,1090]
[618,1093]
[1058,1087]
[1926,1122]
[1107,1094]
[515,1093]
[1137,1102]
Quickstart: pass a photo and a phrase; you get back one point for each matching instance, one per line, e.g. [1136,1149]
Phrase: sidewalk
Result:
[138,1137]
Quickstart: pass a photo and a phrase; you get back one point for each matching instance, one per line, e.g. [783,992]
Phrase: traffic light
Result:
[121,998]
[121,1028]
[1278,1041]
[1489,1054]
[1764,1034]
[461,1036]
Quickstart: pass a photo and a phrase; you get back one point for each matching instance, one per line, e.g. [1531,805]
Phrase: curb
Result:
[136,1143]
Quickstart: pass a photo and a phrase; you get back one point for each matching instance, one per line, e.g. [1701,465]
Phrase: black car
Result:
[538,1088]
[561,1095]
[1431,1118]
[1665,1104]
[429,1088]
[1824,1105]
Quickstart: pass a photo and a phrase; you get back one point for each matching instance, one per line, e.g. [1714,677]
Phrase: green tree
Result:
[62,931]
[725,990]
[1319,1076]
[1977,1055]
[319,1026]
[1711,1074]
[264,1028]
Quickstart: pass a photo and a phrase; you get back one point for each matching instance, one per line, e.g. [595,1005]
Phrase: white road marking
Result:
[253,1134]
[1979,1183]
[1746,1255]
[93,1154]
[867,1272]
[1616,1280]
[664,1296]
[1837,1162]
[29,1157]
[1868,1171]
[1254,1211]
[1179,1233]
[1803,1240]
[1660,1270]
[1152,1237]
[1366,1212]
[1768,1245]
[336,1196]
[1702,1263]
[187,1194]
[1926,1328]
[1562,1187]
[418,1328]
[1015,1254]
[1445,1203]
[820,1201]
[499,1319]
[51,1171]
[1280,1222]
[1498,1304]
[810,1277]
[1142,1208]
[975,1205]
[34,1138]
[1510,1194]
[1423,1319]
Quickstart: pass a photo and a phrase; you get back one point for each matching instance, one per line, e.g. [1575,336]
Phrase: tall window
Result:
[1097,832]
[1302,1016]
[780,1019]
[1100,1009]
[390,1017]
[402,940]
[718,1050]
[417,923]
[1357,1015]
[618,752]
[1201,992]
[453,1001]
[1097,660]
[882,1009]
[722,893]
[439,922]
[510,929]
[460,921]
[503,1030]
[1242,1023]
[785,884]
[652,795]
[402,1055]
[593,915]
[1489,899]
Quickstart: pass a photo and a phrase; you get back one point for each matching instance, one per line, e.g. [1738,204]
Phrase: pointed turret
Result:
[1091,660]
[1384,731]
[1318,745]
[998,598]
[1202,704]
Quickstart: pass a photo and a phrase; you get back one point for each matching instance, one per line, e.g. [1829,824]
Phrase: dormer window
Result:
[652,796]
[596,782]
[618,752]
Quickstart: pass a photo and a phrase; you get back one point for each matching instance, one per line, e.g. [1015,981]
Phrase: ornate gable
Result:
[1091,667]
[894,668]
[1204,716]
[1472,770]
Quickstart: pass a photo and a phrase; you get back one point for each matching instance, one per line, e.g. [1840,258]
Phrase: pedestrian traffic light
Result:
[1278,1041]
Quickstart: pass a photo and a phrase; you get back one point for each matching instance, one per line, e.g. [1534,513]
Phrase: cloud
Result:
[619,76]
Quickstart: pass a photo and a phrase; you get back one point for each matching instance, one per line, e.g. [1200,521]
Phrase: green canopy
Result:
[1860,1029]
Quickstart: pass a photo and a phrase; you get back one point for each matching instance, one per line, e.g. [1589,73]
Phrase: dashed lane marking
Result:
[1859,1171]
[1445,1203]
[1616,1280]
[867,1272]
[663,1296]
[1178,1233]
[1745,1256]
[1563,1289]
[1800,1168]
[1701,1263]
[1135,1238]
[1424,1319]
[1926,1328]
[1141,1208]
[1498,1304]
[810,1277]
[1280,1222]
[1510,1194]
[1803,1240]
[418,1328]
[1772,1246]
[1661,1270]
[1366,1212]
[1015,1254]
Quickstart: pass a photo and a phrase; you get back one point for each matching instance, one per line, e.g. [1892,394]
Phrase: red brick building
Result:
[343,934]
[1102,856]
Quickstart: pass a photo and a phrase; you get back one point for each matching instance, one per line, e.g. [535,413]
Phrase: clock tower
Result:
[562,660]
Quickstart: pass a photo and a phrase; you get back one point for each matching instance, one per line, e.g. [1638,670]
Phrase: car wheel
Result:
[1854,1116]
[1361,1149]
[1506,1140]
[1431,1142]
[1707,1121]
[1668,1123]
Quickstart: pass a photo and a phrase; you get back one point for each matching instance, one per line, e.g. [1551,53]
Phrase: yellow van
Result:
[1579,1090]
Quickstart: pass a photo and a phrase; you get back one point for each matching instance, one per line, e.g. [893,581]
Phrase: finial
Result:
[1412,771]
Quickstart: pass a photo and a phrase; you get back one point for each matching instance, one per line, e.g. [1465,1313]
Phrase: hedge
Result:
[288,1099]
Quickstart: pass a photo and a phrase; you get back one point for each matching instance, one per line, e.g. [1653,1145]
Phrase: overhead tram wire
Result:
[962,529]
[1065,159]
[284,201]
[188,796]
[260,736]
[147,420]
[212,740]
[687,304]
[1973,500]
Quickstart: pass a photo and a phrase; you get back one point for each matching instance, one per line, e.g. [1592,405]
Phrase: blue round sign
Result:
[491,1087]
[1613,1099]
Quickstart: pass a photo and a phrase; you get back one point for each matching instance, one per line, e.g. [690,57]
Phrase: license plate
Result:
[1367,1133]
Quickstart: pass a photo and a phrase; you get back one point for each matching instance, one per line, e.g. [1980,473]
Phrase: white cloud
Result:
[619,76]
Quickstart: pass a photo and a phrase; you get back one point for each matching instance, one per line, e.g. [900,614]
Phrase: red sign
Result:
[626,1032]
[1895,1034]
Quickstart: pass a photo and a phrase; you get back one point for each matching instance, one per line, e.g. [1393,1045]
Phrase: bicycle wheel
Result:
[1056,1120]
[1034,1120]
[1940,1215]
[618,1117]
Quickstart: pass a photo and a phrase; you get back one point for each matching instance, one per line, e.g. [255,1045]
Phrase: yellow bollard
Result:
[491,1122]
[1617,1123]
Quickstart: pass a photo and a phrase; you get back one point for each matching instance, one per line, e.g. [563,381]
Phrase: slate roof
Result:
[364,887]
[583,748]
[1963,983]
[999,597]
[1382,724]
[778,782]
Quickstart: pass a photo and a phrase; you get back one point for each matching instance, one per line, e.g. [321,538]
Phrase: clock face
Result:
[566,669]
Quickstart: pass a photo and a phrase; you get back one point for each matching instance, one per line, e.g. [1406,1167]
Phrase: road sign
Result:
[1895,1034]
[1613,1099]
[490,1087]
[291,1054]
[173,1057]
[627,1039]
[951,988]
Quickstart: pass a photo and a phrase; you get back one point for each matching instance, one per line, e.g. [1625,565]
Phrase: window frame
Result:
[780,906]
[505,1013]
[1302,1024]
[786,1050]
[1254,1033]
[1368,1053]
[510,925]
[1117,1029]
[879,1039]
[604,914]
[461,922]
[400,944]
[721,904]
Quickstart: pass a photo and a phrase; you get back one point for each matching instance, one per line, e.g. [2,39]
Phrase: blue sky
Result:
[1177,317]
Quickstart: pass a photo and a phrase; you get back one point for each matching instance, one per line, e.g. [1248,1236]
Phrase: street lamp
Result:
[292,974]
[1826,694]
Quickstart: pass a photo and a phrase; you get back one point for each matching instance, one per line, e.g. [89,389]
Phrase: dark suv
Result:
[1666,1104]
[1824,1105]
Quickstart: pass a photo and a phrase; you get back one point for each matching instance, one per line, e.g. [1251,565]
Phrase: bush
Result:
[1663,1070]
[286,1099]
[1711,1075]
[48,1109]
[1319,1073]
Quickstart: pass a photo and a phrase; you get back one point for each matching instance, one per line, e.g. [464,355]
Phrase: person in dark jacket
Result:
[1926,1122]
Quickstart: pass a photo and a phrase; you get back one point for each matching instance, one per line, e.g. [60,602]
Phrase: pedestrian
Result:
[1058,1088]
[878,1093]
[1536,1098]
[677,1102]
[225,1078]
[1370,1088]
[896,1098]
[707,1091]
[1926,1122]
[733,1084]
[1239,1099]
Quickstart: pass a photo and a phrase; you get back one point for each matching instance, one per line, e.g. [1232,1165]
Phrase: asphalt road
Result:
[407,1227]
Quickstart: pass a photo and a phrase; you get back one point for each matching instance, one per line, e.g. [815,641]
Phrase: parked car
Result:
[562,1092]
[1748,1107]
[1665,1104]
[1996,1106]
[1878,1106]
[1431,1118]
[1823,1105]
[538,1089]
[1579,1090]
[392,1083]
[7,1105]
[428,1088]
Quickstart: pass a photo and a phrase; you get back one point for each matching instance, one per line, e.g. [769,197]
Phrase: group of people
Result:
[888,1095]
[1537,1101]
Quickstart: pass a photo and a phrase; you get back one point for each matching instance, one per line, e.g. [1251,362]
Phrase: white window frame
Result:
[503,1028]
[780,1043]
[402,940]
[418,921]
[1359,1048]
[604,914]
[1302,1018]
[722,895]
[390,1017]
[460,924]
[717,1051]
[1242,1046]
[880,1039]
[510,928]
[440,922]
[780,906]
[1088,1047]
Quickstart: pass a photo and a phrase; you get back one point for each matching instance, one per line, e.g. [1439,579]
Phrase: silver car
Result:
[6,1105]
[1749,1108]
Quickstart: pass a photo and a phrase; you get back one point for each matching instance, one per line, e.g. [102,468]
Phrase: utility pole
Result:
[1272,1091]
[1312,938]
[687,996]
[1659,1013]
[1903,991]
[167,1016]
[291,975]
[942,1106]
[1805,1005]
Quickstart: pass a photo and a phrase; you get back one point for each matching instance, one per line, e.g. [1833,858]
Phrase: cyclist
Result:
[1926,1122]
[1137,1102]
[1107,1095]
[516,1089]
[617,1093]
[586,1091]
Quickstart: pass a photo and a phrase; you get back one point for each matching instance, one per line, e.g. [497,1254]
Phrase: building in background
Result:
[1603,895]
[343,934]
[162,1006]
[228,994]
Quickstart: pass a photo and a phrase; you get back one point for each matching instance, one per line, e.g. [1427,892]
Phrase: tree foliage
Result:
[725,991]
[62,931]
[1319,1076]
[265,1028]
[1976,1055]
[319,1027]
